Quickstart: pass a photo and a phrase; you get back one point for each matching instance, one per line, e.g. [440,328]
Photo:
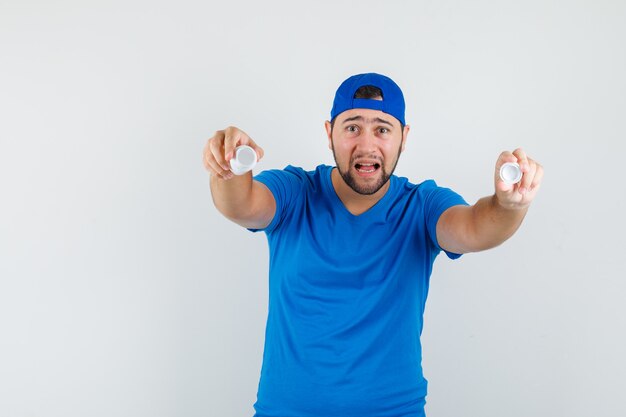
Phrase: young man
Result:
[351,253]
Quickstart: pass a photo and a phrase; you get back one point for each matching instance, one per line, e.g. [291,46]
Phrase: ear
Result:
[405,134]
[330,140]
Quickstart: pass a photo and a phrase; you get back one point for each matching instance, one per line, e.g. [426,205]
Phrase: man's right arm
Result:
[239,198]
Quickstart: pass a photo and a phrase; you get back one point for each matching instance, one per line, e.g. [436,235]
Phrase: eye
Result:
[383,130]
[352,128]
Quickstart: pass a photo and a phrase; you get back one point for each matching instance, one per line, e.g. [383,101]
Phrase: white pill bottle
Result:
[510,173]
[244,160]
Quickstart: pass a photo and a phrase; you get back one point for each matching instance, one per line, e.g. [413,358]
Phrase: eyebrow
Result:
[360,118]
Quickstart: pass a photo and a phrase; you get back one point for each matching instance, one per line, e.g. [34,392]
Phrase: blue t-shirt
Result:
[346,297]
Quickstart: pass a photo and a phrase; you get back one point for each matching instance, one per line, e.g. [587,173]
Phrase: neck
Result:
[354,202]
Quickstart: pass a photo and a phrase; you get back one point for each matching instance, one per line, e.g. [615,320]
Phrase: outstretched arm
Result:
[239,198]
[493,219]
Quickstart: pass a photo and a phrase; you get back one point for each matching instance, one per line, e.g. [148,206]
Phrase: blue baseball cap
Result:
[392,102]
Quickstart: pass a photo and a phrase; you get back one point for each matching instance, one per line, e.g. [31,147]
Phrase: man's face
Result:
[366,145]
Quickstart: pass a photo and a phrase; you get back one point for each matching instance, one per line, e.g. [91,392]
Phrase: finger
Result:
[211,150]
[205,153]
[522,159]
[505,157]
[259,151]
[215,169]
[216,147]
[207,157]
[528,177]
[538,178]
[233,138]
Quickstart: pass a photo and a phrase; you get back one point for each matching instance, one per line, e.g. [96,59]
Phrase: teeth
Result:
[366,167]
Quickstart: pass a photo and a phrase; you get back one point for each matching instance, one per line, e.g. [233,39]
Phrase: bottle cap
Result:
[244,160]
[510,173]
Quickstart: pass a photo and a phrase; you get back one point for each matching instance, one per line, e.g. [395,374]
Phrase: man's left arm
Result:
[493,219]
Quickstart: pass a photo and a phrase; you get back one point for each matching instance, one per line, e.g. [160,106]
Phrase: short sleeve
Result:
[285,185]
[436,201]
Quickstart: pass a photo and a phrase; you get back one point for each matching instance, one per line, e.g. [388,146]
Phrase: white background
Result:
[123,292]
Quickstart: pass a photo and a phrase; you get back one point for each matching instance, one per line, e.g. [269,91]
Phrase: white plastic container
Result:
[244,160]
[510,173]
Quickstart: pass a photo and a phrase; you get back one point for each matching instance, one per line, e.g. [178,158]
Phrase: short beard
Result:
[366,190]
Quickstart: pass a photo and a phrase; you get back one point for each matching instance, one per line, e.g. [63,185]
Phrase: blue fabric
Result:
[346,298]
[392,102]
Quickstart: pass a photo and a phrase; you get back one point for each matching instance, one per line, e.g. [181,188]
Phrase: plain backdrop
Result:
[123,292]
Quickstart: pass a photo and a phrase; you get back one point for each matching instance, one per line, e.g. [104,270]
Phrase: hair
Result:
[368,92]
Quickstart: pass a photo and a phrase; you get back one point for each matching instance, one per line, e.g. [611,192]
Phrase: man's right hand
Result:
[247,202]
[220,149]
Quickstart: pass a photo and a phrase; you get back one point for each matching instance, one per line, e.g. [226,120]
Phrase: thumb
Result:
[259,151]
[502,186]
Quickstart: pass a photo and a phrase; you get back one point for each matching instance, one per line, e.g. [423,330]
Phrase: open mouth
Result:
[367,168]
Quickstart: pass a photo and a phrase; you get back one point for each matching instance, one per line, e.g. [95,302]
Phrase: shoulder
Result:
[296,172]
[416,189]
[294,176]
[424,187]
[427,194]
[292,181]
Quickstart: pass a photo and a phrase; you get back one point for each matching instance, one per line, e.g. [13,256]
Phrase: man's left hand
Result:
[520,195]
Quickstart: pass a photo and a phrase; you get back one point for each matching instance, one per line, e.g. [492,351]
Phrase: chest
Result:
[323,246]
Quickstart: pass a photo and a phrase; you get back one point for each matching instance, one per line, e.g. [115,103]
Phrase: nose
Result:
[367,142]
